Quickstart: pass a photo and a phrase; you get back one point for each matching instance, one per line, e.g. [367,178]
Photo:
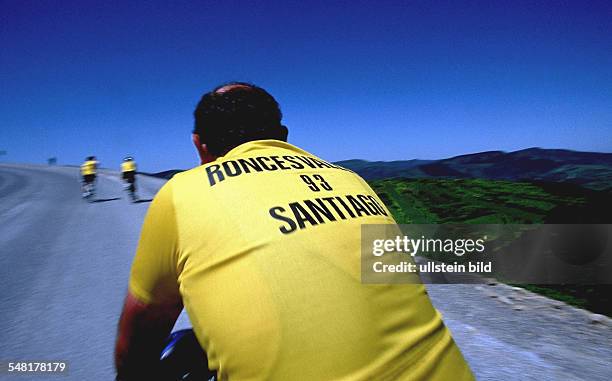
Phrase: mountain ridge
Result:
[589,169]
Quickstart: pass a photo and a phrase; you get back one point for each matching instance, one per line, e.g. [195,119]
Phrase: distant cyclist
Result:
[128,173]
[88,176]
[262,245]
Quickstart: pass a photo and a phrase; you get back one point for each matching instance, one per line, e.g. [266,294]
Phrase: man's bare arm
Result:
[142,331]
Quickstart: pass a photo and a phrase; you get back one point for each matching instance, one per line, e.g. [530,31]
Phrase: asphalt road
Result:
[64,266]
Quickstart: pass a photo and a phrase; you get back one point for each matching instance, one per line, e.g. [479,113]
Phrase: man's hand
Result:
[142,331]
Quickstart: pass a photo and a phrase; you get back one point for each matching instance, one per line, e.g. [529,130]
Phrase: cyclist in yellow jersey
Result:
[261,244]
[128,173]
[88,175]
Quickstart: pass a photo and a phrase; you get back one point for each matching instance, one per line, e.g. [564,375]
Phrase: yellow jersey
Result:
[89,167]
[263,247]
[128,166]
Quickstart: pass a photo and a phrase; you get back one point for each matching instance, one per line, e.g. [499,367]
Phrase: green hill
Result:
[477,201]
[588,169]
[492,201]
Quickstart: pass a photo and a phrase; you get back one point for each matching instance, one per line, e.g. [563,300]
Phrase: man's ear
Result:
[284,133]
[205,156]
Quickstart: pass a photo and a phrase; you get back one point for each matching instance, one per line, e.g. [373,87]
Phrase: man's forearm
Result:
[141,334]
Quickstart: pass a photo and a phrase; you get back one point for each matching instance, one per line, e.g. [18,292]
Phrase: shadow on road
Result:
[143,200]
[106,199]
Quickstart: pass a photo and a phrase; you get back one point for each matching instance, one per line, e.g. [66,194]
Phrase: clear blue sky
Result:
[376,80]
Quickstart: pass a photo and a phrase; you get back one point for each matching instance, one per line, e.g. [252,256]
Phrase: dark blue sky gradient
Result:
[376,80]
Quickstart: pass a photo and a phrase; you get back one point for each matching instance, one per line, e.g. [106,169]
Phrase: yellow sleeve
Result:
[154,275]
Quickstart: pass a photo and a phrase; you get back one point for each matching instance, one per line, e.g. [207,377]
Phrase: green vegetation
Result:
[435,201]
[480,201]
[555,293]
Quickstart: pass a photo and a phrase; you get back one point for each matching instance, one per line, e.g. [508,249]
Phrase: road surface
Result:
[64,267]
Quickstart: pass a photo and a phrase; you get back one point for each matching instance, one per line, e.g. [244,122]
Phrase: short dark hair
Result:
[242,113]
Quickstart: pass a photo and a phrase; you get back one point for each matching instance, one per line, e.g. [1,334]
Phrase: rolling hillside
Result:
[478,201]
[588,169]
[492,201]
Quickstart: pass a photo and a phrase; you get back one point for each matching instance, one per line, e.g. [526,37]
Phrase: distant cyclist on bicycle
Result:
[88,176]
[128,173]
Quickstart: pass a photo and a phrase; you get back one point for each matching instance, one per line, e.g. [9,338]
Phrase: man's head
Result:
[233,114]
